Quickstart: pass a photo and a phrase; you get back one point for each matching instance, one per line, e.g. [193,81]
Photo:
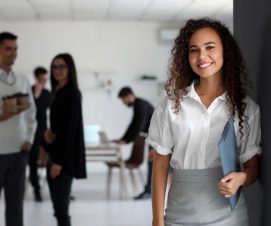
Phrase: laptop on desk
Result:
[95,137]
[104,138]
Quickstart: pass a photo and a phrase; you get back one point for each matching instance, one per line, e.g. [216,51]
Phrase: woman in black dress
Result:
[65,138]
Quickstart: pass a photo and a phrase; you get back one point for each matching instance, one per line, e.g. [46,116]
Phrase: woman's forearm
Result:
[250,172]
[159,184]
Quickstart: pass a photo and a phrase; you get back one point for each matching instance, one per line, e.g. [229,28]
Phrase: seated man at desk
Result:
[140,122]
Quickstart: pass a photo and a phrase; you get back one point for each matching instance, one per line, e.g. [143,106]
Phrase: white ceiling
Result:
[133,10]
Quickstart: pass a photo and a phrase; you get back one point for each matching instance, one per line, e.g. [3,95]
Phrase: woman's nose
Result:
[202,54]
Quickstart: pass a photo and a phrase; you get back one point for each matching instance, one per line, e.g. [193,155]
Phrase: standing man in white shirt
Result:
[17,128]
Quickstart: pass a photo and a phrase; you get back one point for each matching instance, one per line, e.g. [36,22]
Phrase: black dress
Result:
[68,148]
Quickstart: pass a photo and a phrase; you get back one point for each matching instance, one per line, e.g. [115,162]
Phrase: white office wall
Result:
[120,51]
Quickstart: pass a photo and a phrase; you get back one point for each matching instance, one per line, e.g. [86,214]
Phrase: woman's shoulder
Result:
[165,103]
[74,92]
[165,108]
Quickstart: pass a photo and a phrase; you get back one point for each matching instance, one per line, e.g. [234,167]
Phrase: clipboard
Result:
[227,147]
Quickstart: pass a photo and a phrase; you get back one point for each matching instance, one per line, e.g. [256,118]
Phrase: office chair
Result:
[132,163]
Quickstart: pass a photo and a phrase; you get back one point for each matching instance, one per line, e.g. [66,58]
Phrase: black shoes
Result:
[72,198]
[38,197]
[143,195]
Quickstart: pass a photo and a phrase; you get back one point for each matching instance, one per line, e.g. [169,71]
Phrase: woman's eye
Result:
[210,47]
[193,50]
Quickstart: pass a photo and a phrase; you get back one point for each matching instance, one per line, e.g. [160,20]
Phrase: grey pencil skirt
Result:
[194,200]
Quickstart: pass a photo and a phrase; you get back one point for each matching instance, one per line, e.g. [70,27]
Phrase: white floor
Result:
[91,207]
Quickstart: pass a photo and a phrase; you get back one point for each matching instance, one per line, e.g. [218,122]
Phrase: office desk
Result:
[108,153]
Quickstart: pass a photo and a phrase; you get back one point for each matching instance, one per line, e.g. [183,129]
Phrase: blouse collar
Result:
[191,92]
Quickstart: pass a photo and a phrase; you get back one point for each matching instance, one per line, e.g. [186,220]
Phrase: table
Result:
[108,153]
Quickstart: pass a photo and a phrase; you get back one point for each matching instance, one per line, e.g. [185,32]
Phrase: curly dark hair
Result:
[234,74]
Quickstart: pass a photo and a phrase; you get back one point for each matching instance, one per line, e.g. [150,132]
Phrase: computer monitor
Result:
[92,136]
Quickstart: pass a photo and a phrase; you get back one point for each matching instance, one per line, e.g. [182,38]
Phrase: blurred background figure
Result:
[17,128]
[143,111]
[65,138]
[41,97]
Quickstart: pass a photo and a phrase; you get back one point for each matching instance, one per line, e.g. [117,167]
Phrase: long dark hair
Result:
[72,75]
[234,74]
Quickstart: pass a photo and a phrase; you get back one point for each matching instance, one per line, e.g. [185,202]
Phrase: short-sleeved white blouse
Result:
[192,134]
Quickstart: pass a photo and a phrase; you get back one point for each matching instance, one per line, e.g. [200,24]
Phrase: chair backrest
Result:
[137,154]
[103,137]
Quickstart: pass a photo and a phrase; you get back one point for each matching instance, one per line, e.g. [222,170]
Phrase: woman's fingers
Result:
[226,188]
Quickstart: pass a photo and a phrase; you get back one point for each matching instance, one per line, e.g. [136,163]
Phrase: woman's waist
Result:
[198,175]
[188,162]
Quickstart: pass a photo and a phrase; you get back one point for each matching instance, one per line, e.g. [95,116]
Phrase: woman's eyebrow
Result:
[192,46]
[207,43]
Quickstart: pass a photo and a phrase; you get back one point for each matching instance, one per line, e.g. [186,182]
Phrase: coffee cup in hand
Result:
[10,103]
[23,101]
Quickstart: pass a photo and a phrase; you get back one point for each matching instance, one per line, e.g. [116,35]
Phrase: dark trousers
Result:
[33,161]
[60,190]
[12,179]
[149,174]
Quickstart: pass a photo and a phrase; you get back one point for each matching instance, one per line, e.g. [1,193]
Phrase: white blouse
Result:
[192,134]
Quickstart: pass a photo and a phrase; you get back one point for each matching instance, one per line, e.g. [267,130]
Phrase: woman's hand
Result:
[55,170]
[49,136]
[229,184]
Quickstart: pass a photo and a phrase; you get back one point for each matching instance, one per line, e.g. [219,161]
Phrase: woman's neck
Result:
[208,90]
[210,87]
[61,84]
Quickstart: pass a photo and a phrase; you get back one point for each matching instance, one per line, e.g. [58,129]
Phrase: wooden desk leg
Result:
[109,179]
[123,180]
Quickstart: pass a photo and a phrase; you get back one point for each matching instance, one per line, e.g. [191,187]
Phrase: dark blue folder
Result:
[227,147]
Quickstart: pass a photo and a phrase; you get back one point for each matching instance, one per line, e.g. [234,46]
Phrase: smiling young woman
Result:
[206,53]
[206,85]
